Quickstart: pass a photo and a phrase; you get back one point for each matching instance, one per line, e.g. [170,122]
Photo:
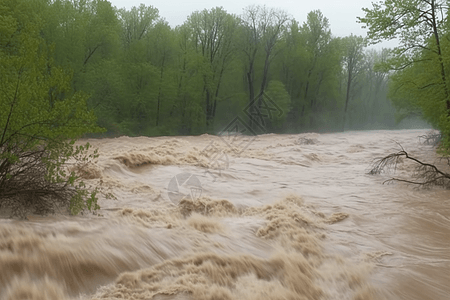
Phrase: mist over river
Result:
[266,217]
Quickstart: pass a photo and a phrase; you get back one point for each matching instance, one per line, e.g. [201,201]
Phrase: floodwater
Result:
[274,217]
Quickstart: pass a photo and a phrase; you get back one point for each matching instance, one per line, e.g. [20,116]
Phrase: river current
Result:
[265,217]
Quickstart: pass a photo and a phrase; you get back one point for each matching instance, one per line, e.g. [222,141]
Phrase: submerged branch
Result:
[432,138]
[425,174]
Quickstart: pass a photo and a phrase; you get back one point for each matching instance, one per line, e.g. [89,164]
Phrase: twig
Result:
[425,174]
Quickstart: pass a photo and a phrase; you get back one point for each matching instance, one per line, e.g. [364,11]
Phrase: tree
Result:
[102,37]
[353,65]
[369,107]
[313,64]
[191,68]
[378,81]
[212,37]
[162,45]
[318,36]
[412,23]
[138,70]
[137,22]
[82,32]
[419,26]
[262,29]
[277,92]
[374,110]
[39,119]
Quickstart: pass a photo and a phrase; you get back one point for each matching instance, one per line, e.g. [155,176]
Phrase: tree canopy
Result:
[40,116]
[419,65]
[142,77]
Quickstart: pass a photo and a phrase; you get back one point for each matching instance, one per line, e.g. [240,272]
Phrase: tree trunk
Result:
[347,97]
[251,90]
[439,50]
[159,91]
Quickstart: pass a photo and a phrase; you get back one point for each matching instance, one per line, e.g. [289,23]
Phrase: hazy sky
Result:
[341,13]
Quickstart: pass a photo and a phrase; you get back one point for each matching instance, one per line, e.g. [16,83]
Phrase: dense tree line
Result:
[146,78]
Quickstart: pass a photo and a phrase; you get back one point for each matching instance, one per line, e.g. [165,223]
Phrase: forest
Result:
[143,77]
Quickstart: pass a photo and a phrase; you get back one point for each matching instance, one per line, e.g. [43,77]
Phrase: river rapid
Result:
[266,217]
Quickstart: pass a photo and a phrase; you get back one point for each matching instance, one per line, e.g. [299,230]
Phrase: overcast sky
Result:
[341,13]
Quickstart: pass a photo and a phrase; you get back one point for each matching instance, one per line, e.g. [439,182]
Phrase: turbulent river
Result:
[270,217]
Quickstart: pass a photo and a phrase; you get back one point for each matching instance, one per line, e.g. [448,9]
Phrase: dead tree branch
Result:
[424,175]
[432,138]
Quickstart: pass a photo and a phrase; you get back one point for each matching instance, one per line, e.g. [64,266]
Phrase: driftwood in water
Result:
[424,175]
[433,138]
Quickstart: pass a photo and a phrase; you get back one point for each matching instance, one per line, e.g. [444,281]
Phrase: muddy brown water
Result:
[290,217]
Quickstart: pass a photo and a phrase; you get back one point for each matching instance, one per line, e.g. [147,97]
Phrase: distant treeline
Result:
[146,78]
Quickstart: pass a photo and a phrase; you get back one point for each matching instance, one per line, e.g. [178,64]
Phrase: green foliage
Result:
[418,90]
[145,78]
[40,117]
[353,67]
[311,71]
[277,93]
[420,84]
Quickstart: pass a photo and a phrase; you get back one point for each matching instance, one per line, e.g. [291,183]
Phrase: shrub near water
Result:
[40,118]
